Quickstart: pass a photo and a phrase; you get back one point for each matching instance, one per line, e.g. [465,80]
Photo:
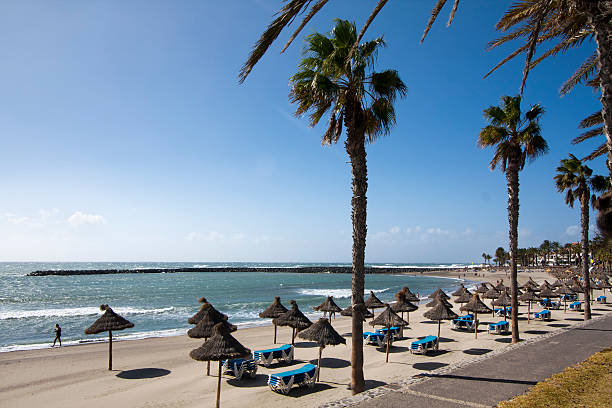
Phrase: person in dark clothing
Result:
[58,335]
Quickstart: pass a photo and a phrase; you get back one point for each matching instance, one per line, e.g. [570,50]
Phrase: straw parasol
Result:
[545,285]
[402,305]
[221,346]
[273,311]
[502,300]
[564,290]
[464,298]
[435,301]
[500,286]
[482,289]
[440,312]
[293,318]
[459,291]
[215,314]
[329,306]
[438,292]
[529,296]
[411,297]
[548,293]
[349,312]
[323,334]
[373,302]
[109,321]
[388,318]
[557,283]
[475,306]
[492,293]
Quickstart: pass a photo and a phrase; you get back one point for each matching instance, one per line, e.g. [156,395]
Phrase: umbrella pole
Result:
[388,337]
[218,385]
[274,334]
[110,350]
[292,336]
[402,327]
[528,311]
[476,325]
[319,363]
[438,342]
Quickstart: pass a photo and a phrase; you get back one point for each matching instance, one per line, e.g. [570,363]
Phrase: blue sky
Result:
[126,137]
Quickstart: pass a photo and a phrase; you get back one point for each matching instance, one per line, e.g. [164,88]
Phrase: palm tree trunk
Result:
[599,14]
[355,147]
[584,221]
[513,214]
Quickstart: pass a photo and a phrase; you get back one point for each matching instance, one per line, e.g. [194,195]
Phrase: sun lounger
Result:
[601,299]
[569,297]
[550,304]
[239,366]
[499,327]
[577,306]
[395,331]
[463,324]
[303,376]
[543,315]
[501,311]
[265,357]
[424,345]
[377,339]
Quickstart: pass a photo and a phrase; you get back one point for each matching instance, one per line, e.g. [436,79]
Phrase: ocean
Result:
[159,303]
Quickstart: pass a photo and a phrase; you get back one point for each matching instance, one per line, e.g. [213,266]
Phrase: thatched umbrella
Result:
[221,346]
[493,294]
[502,300]
[564,290]
[500,286]
[548,293]
[557,283]
[545,285]
[323,334]
[349,312]
[482,289]
[402,305]
[464,298]
[435,301]
[109,321]
[209,317]
[293,318]
[329,306]
[475,306]
[438,292]
[459,291]
[440,312]
[411,297]
[372,302]
[388,318]
[273,311]
[604,284]
[529,296]
[206,308]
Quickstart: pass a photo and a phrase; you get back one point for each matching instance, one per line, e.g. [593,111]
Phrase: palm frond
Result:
[589,134]
[600,151]
[452,13]
[491,135]
[284,18]
[434,14]
[372,16]
[314,10]
[388,84]
[591,120]
[586,70]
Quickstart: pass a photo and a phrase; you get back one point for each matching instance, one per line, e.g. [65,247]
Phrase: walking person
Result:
[58,335]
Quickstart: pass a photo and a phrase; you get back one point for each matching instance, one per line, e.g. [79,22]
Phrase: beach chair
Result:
[501,311]
[239,366]
[463,324]
[569,297]
[303,376]
[395,331]
[499,328]
[577,306]
[543,315]
[424,345]
[282,353]
[601,299]
[377,339]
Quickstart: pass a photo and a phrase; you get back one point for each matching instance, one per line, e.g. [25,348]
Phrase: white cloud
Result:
[395,230]
[467,231]
[79,218]
[572,230]
[214,236]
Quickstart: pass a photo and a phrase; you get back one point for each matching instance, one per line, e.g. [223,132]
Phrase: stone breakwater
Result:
[301,269]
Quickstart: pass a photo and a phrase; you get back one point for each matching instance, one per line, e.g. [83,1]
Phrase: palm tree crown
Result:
[326,82]
[512,133]
[577,180]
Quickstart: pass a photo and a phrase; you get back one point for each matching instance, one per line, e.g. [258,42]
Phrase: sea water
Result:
[159,304]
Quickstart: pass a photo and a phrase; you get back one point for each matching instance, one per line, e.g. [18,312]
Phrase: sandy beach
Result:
[158,372]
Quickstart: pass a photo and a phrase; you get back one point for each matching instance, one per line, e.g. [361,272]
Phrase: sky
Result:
[126,137]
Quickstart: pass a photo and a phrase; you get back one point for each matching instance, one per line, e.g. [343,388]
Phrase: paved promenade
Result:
[486,382]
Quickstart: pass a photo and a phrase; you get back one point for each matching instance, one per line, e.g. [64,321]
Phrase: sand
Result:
[159,372]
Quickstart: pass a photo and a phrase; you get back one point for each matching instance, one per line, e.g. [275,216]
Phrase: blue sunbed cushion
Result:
[425,340]
[306,368]
[283,347]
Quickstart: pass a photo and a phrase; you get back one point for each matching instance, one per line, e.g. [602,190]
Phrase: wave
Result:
[75,311]
[336,293]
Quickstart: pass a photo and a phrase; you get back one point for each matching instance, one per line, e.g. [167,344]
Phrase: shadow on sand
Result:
[483,379]
[477,351]
[428,366]
[140,373]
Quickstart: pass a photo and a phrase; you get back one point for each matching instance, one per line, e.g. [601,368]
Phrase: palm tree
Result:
[489,259]
[516,138]
[484,257]
[500,254]
[545,248]
[361,100]
[578,180]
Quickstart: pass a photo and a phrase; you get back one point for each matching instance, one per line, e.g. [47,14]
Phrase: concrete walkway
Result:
[503,376]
